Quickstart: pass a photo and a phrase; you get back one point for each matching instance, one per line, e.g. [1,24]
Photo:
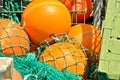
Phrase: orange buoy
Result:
[80,9]
[63,56]
[13,39]
[83,9]
[16,75]
[90,37]
[42,18]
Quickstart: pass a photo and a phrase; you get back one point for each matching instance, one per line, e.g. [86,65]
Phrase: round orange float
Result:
[42,18]
[90,37]
[65,56]
[13,39]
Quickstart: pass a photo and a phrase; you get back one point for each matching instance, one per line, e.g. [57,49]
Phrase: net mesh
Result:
[12,9]
[13,39]
[65,56]
[29,66]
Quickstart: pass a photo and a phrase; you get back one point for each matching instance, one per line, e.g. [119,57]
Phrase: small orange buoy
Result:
[13,39]
[82,10]
[15,76]
[64,55]
[90,38]
[42,18]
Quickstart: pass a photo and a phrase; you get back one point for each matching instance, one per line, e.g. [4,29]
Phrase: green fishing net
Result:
[12,9]
[31,69]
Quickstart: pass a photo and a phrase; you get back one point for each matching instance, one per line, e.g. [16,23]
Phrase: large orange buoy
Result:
[13,39]
[16,75]
[63,56]
[90,37]
[42,18]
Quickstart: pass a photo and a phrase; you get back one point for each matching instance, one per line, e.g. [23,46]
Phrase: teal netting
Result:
[12,9]
[29,66]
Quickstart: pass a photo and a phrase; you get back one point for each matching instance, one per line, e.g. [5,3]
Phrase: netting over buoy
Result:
[61,53]
[13,39]
[80,10]
[63,56]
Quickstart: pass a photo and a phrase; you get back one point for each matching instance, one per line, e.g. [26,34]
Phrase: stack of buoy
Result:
[42,20]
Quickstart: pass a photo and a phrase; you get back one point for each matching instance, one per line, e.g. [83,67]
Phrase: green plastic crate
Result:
[110,50]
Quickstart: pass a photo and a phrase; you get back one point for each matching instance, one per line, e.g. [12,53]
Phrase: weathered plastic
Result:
[110,50]
[6,67]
